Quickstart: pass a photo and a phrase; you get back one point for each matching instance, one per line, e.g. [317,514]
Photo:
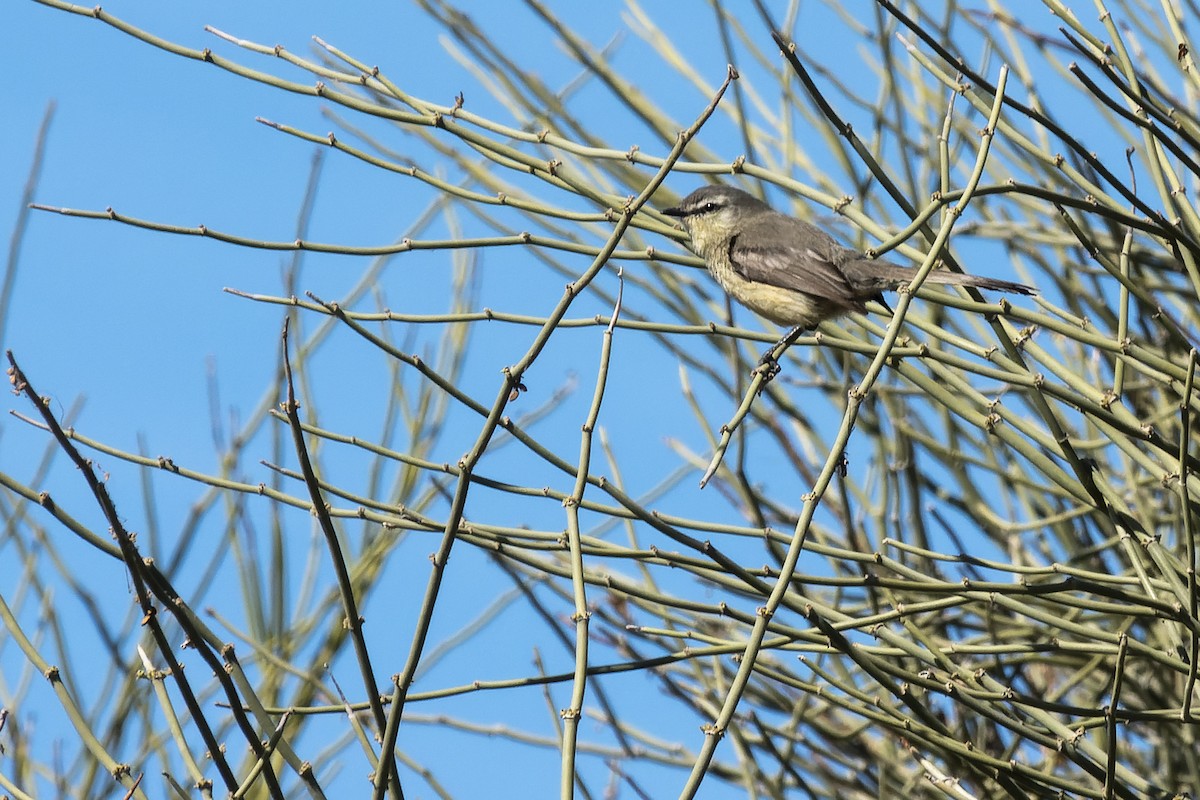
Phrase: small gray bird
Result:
[787,270]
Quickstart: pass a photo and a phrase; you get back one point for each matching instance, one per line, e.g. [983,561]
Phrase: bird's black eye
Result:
[709,207]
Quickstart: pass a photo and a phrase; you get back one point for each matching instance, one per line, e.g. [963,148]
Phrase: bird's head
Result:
[713,215]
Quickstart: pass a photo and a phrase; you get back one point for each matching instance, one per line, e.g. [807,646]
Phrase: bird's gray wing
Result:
[794,255]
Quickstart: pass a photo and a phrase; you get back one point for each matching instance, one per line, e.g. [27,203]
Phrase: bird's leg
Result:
[768,365]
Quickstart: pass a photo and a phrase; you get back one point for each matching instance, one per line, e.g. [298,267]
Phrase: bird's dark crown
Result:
[710,199]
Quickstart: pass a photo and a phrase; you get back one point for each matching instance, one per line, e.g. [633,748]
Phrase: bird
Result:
[790,271]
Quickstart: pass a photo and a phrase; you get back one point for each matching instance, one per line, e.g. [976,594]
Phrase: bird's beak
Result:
[673,212]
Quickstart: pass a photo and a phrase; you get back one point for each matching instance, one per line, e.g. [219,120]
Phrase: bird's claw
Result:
[768,367]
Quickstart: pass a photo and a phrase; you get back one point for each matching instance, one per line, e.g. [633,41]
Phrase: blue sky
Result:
[137,324]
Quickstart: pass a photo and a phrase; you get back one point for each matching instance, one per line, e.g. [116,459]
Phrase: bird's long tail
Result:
[962,279]
[872,275]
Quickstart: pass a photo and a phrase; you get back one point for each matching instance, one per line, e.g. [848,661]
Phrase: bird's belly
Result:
[781,306]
